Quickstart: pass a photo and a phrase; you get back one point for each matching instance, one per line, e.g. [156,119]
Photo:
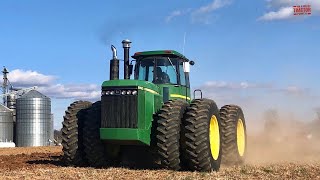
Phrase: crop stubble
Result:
[289,159]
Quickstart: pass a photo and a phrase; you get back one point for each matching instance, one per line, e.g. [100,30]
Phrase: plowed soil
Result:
[286,159]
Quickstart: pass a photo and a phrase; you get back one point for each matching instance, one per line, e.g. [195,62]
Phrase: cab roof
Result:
[171,53]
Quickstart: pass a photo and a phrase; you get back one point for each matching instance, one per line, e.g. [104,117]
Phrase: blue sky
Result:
[253,53]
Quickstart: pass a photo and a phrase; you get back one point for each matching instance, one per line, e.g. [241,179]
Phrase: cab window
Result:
[166,71]
[145,70]
[158,70]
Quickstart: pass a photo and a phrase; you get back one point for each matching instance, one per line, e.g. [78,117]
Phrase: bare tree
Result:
[271,117]
[57,136]
[314,126]
[317,110]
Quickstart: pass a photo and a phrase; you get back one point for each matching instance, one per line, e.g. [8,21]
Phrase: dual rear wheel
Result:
[199,136]
[72,133]
[234,139]
[81,138]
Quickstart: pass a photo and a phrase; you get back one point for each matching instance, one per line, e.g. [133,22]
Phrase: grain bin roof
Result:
[33,94]
[4,109]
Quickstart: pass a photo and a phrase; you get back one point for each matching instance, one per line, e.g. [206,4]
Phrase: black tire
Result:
[230,116]
[72,142]
[196,148]
[96,151]
[166,134]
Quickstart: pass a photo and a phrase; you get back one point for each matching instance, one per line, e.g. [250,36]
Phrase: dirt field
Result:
[266,160]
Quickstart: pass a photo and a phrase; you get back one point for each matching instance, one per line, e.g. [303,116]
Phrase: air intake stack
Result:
[114,65]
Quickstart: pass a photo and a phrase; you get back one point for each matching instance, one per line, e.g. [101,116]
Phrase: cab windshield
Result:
[158,70]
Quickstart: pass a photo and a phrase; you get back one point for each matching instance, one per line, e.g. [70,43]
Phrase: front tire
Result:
[234,135]
[94,148]
[201,147]
[72,142]
[166,139]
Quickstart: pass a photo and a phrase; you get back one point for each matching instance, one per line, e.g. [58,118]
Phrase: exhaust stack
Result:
[126,46]
[114,65]
[114,52]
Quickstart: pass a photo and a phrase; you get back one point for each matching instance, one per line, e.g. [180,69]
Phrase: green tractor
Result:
[153,115]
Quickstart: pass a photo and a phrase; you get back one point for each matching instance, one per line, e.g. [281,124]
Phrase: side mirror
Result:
[191,63]
[186,67]
[130,69]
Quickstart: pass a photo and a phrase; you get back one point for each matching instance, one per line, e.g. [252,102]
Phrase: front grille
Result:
[119,111]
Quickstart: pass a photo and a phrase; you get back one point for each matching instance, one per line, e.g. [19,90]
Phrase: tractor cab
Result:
[167,69]
[162,67]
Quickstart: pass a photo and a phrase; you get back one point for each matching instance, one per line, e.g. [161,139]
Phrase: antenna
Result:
[184,42]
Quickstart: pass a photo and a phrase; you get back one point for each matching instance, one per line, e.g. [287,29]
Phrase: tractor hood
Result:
[125,82]
[127,118]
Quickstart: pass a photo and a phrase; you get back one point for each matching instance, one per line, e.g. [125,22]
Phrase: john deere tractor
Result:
[153,114]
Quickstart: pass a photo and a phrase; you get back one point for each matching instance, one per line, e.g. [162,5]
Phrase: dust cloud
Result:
[284,140]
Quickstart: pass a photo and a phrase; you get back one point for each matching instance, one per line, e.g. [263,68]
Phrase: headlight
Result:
[119,92]
[134,92]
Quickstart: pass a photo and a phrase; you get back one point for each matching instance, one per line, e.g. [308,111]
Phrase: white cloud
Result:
[295,90]
[232,85]
[202,14]
[173,14]
[82,91]
[223,87]
[21,77]
[283,9]
[214,5]
[283,13]
[48,86]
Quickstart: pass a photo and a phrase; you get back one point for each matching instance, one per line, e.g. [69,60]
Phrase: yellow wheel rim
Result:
[214,137]
[241,139]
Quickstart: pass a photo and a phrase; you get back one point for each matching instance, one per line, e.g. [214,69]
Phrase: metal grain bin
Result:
[33,119]
[11,104]
[6,124]
[51,134]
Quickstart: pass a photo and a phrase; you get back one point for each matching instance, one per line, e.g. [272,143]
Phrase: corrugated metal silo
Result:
[11,104]
[51,134]
[33,119]
[6,124]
